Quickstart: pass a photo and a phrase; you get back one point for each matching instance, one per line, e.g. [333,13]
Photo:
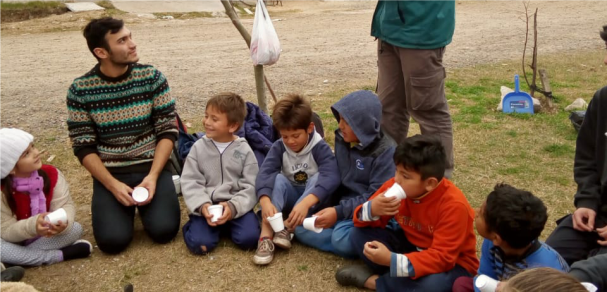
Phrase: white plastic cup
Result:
[56,216]
[276,221]
[177,183]
[140,194]
[216,211]
[396,191]
[485,283]
[309,223]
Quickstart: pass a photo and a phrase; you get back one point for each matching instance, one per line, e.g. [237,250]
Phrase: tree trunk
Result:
[259,76]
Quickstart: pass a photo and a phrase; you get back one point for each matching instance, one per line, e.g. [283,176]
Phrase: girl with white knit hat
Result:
[30,191]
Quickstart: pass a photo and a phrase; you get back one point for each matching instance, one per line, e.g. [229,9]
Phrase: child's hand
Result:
[267,208]
[227,214]
[56,229]
[378,253]
[602,232]
[42,227]
[326,218]
[382,206]
[204,210]
[297,216]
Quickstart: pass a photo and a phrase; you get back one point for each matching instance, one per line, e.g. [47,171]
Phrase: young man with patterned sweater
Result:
[121,121]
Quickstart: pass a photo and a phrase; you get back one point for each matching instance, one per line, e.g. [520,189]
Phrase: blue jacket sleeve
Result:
[328,172]
[382,170]
[271,166]
[485,267]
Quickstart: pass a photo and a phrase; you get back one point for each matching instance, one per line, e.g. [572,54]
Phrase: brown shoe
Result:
[265,252]
[282,239]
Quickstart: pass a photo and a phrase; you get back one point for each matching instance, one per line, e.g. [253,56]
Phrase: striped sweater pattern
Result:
[120,118]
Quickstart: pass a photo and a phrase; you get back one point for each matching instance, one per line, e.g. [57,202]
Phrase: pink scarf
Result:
[34,186]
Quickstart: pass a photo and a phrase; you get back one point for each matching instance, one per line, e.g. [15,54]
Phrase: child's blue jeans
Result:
[395,240]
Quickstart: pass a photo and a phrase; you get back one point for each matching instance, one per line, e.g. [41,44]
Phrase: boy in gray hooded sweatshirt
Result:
[220,170]
[364,158]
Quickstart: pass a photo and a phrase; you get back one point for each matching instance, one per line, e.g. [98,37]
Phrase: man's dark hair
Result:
[293,112]
[517,216]
[604,33]
[94,32]
[423,154]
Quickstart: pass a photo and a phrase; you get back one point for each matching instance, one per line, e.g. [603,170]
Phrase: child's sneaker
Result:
[265,252]
[80,249]
[282,239]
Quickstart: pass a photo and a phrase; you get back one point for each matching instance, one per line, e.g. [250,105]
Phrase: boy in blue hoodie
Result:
[364,157]
[297,177]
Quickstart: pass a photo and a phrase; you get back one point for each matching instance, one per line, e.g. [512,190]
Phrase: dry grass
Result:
[530,152]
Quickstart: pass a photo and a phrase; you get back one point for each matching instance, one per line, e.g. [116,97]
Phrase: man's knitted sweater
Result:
[121,119]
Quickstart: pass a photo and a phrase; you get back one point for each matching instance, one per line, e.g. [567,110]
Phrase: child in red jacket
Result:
[433,242]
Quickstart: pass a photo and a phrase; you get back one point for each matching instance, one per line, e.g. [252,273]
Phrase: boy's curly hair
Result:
[517,216]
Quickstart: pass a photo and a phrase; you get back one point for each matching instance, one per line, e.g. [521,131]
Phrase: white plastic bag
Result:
[265,46]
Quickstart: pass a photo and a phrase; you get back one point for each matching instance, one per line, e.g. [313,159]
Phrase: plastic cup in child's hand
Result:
[216,211]
[309,223]
[177,183]
[396,191]
[277,222]
[56,216]
[140,194]
[485,283]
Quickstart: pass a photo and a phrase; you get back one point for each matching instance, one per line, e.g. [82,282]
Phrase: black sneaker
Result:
[13,274]
[80,249]
[353,275]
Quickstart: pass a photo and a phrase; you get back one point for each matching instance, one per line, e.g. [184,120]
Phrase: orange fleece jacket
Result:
[440,223]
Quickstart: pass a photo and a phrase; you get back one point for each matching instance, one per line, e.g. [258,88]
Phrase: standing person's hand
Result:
[122,193]
[326,218]
[149,182]
[377,252]
[382,206]
[602,234]
[583,219]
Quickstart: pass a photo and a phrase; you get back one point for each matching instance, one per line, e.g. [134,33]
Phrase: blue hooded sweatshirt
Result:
[366,166]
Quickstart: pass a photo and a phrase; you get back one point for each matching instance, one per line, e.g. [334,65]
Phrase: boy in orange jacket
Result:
[434,241]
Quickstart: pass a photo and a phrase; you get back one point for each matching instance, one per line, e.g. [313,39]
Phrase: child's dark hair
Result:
[517,216]
[94,32]
[292,112]
[7,188]
[543,279]
[604,33]
[424,154]
[230,104]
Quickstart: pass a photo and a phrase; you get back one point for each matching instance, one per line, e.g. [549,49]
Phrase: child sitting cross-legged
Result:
[510,221]
[297,177]
[220,170]
[433,243]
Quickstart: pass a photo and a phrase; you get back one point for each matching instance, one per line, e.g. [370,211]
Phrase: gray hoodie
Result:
[211,177]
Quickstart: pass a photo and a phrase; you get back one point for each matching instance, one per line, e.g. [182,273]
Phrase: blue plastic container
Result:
[517,101]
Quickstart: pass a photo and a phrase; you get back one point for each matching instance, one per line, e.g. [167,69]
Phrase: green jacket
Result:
[414,24]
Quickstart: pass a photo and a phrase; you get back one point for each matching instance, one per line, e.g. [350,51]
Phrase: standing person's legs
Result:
[245,230]
[571,244]
[162,216]
[424,77]
[112,221]
[391,92]
[199,237]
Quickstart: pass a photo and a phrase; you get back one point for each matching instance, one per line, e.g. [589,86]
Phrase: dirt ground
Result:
[320,41]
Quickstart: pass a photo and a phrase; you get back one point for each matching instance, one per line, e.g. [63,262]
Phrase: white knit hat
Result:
[13,142]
